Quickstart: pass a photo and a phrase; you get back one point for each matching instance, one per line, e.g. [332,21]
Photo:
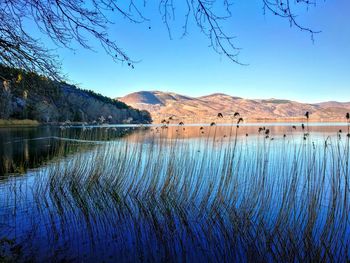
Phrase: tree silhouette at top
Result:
[68,22]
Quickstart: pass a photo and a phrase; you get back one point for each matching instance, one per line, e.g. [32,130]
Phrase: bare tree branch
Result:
[75,21]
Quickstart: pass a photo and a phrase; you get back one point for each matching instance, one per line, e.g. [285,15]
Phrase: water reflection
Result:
[175,194]
[27,148]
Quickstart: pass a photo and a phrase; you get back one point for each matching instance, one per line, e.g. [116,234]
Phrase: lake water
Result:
[181,193]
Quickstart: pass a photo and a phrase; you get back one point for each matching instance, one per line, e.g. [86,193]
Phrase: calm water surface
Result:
[180,193]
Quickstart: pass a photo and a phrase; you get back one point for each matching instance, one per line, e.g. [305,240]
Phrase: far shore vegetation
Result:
[7,123]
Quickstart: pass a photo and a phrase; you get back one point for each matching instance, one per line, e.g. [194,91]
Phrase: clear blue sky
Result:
[283,61]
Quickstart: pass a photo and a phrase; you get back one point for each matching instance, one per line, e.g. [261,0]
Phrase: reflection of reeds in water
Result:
[206,199]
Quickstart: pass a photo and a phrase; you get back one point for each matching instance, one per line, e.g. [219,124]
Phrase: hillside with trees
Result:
[26,95]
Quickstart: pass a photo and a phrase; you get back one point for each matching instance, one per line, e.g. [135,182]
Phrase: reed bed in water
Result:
[155,197]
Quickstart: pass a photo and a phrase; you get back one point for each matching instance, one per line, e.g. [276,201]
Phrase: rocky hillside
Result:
[29,96]
[162,105]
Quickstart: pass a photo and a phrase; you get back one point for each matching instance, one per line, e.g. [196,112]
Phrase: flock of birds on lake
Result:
[261,130]
[236,119]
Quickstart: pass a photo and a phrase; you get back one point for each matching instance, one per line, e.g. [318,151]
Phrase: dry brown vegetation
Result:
[7,123]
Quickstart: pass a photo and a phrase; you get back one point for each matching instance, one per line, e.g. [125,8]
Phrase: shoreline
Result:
[18,123]
[248,122]
[253,120]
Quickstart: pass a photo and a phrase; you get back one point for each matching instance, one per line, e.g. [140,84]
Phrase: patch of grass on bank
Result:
[6,123]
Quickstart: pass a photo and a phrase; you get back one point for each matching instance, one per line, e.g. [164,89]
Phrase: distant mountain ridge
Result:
[163,105]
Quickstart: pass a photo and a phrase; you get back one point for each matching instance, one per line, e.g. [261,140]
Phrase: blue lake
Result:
[194,193]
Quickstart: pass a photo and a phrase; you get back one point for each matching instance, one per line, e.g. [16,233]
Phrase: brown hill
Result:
[163,105]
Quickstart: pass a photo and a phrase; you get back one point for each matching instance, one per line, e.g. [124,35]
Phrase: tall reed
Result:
[154,196]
